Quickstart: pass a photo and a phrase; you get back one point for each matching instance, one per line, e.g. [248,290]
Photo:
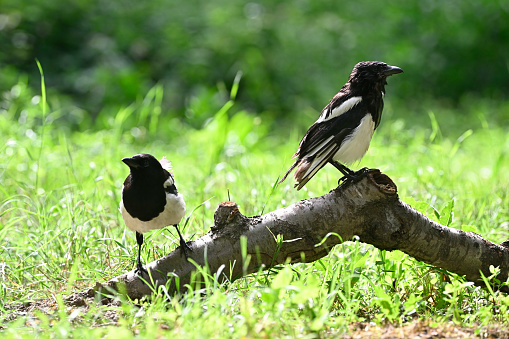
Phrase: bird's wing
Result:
[334,130]
[169,184]
[341,103]
[322,141]
[317,151]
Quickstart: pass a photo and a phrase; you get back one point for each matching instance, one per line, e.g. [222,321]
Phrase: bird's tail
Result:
[289,171]
[308,167]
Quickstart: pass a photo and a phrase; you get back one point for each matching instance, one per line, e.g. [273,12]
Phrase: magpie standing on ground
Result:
[150,199]
[343,131]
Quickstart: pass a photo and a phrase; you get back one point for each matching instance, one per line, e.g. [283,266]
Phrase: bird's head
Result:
[142,163]
[374,70]
[369,73]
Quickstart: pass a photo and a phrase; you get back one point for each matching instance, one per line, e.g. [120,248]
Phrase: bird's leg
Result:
[343,169]
[184,247]
[139,266]
[349,175]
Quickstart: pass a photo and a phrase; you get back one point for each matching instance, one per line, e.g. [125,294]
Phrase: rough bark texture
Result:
[369,209]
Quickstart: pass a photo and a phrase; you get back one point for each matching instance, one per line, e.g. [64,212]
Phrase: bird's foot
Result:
[354,176]
[140,270]
[185,249]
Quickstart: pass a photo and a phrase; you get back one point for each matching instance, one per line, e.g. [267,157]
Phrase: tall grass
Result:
[60,229]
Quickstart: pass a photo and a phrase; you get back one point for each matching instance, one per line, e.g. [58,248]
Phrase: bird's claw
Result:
[354,176]
[140,270]
[361,173]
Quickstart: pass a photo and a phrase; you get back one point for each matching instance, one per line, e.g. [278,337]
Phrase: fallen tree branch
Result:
[369,209]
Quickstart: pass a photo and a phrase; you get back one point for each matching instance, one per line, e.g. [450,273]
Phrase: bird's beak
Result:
[132,163]
[391,70]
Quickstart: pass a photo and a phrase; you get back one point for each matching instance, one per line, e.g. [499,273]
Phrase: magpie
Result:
[343,131]
[150,199]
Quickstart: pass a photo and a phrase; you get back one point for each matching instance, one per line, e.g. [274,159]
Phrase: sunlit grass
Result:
[60,229]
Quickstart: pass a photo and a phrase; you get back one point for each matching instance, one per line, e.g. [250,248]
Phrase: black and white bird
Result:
[343,131]
[150,199]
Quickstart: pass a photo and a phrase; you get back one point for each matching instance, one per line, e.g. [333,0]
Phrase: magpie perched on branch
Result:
[343,131]
[150,199]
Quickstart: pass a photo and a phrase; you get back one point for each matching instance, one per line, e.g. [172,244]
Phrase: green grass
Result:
[60,229]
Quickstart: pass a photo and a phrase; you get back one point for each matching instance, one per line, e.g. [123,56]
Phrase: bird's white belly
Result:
[354,147]
[173,212]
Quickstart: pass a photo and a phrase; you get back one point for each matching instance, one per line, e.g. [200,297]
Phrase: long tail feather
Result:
[288,172]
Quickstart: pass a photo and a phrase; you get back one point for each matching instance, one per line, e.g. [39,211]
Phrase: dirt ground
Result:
[421,330]
[79,304]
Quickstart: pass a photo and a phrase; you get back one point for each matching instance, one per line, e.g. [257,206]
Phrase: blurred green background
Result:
[164,77]
[101,55]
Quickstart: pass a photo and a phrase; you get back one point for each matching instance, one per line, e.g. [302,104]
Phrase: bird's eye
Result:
[145,163]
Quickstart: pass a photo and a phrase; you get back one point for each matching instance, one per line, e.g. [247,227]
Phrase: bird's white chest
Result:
[356,145]
[173,212]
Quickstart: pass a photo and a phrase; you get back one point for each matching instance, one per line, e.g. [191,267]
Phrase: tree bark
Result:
[369,209]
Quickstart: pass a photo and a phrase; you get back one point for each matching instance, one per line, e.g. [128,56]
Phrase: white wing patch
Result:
[343,108]
[356,145]
[169,182]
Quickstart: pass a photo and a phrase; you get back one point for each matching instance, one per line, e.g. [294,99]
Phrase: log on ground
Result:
[368,209]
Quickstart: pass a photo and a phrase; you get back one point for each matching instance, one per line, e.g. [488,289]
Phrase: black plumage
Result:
[342,133]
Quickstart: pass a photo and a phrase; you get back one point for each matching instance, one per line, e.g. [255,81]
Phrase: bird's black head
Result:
[374,70]
[369,73]
[143,163]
